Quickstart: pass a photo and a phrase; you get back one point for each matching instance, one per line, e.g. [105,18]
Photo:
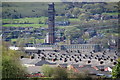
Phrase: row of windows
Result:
[68,46]
[44,46]
[80,47]
[82,50]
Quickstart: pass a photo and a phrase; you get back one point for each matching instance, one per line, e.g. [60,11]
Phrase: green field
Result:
[74,19]
[32,40]
[25,25]
[26,20]
[63,27]
[111,13]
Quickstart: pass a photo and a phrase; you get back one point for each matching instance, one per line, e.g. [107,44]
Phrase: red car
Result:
[35,75]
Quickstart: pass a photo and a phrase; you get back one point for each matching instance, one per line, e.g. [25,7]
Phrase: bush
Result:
[60,73]
[79,76]
[47,70]
[116,70]
[11,67]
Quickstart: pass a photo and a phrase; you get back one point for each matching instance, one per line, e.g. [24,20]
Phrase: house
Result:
[108,69]
[62,23]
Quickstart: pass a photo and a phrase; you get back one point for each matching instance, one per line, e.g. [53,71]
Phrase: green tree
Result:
[84,16]
[86,36]
[72,33]
[76,11]
[116,70]
[96,11]
[60,73]
[47,70]
[11,67]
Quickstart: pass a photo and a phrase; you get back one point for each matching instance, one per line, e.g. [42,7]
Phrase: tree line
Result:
[21,10]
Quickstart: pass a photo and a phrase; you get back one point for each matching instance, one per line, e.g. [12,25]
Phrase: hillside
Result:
[37,9]
[82,22]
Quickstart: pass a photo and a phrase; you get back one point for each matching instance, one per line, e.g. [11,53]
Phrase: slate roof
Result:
[40,63]
[63,65]
[91,70]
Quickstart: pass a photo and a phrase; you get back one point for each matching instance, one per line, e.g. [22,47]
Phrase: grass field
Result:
[31,41]
[111,13]
[36,22]
[25,25]
[62,27]
[74,19]
[27,20]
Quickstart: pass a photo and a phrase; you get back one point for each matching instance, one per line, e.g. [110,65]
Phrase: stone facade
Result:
[72,47]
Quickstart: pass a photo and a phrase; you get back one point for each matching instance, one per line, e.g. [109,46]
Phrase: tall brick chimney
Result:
[51,18]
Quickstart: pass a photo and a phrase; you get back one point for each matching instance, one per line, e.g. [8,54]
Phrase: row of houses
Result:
[91,70]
